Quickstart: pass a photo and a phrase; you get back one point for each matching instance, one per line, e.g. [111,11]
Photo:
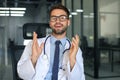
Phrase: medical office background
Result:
[96,21]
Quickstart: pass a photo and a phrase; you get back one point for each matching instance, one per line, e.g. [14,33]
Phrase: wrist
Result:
[33,60]
[72,62]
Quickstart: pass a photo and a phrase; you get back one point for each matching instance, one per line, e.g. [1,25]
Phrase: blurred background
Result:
[96,21]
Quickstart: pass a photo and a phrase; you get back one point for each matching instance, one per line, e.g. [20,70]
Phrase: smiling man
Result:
[53,57]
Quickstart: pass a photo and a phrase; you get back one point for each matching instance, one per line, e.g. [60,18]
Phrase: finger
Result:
[77,38]
[34,35]
[35,43]
[34,38]
[74,41]
[74,49]
[75,44]
[71,48]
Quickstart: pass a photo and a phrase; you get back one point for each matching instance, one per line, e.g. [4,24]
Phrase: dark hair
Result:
[60,6]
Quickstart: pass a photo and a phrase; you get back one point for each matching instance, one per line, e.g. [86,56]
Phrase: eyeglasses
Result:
[61,18]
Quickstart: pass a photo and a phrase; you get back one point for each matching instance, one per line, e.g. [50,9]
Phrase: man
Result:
[37,61]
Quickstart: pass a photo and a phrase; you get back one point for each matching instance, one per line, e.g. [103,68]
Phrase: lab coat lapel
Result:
[63,72]
[66,53]
[47,48]
[42,65]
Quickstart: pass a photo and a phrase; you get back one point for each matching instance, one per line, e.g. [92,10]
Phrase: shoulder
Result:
[41,40]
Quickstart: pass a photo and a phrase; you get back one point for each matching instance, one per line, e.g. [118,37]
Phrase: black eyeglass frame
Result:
[61,18]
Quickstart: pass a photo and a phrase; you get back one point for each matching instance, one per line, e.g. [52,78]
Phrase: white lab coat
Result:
[26,70]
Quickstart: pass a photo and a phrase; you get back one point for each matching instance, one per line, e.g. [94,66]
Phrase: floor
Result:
[89,78]
[7,75]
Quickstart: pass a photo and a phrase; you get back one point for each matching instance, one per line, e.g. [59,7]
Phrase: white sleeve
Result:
[25,68]
[77,72]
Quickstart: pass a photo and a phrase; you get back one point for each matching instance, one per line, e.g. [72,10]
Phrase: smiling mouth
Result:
[57,26]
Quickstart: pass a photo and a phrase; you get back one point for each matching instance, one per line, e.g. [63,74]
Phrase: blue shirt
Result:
[52,49]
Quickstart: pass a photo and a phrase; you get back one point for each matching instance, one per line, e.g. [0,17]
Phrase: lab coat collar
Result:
[53,39]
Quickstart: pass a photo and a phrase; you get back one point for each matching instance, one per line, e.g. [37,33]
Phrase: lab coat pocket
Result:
[62,74]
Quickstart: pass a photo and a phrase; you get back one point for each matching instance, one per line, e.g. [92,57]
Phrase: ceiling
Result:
[30,5]
[24,3]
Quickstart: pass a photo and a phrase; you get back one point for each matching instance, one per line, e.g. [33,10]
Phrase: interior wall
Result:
[75,26]
[110,19]
[13,24]
[77,18]
[88,21]
[41,15]
[67,3]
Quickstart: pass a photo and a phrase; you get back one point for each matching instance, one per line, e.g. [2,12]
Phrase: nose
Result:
[57,19]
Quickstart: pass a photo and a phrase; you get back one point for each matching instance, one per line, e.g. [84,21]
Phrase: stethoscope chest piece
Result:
[45,57]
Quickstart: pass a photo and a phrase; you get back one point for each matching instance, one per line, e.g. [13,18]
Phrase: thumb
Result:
[71,48]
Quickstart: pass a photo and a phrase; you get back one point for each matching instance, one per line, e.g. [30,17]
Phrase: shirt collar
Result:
[53,39]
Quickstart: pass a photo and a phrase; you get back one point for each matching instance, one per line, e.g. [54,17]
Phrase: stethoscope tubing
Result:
[63,51]
[45,55]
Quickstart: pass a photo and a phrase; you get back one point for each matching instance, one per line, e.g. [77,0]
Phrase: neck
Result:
[59,36]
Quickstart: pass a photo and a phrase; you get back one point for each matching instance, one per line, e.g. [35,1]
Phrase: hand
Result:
[36,49]
[73,50]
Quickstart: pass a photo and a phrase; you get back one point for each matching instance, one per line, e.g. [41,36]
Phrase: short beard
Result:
[59,32]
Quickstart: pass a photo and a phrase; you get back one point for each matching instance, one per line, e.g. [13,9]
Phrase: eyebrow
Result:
[57,15]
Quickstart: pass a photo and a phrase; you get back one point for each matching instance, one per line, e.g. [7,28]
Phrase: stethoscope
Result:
[45,55]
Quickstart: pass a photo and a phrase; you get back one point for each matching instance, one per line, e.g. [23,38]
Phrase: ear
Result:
[69,23]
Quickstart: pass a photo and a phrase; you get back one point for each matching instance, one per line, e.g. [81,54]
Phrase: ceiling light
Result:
[3,8]
[17,12]
[73,13]
[92,14]
[4,14]
[17,8]
[12,11]
[86,16]
[79,10]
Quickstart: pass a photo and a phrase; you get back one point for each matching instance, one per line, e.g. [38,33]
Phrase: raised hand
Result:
[36,49]
[73,50]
